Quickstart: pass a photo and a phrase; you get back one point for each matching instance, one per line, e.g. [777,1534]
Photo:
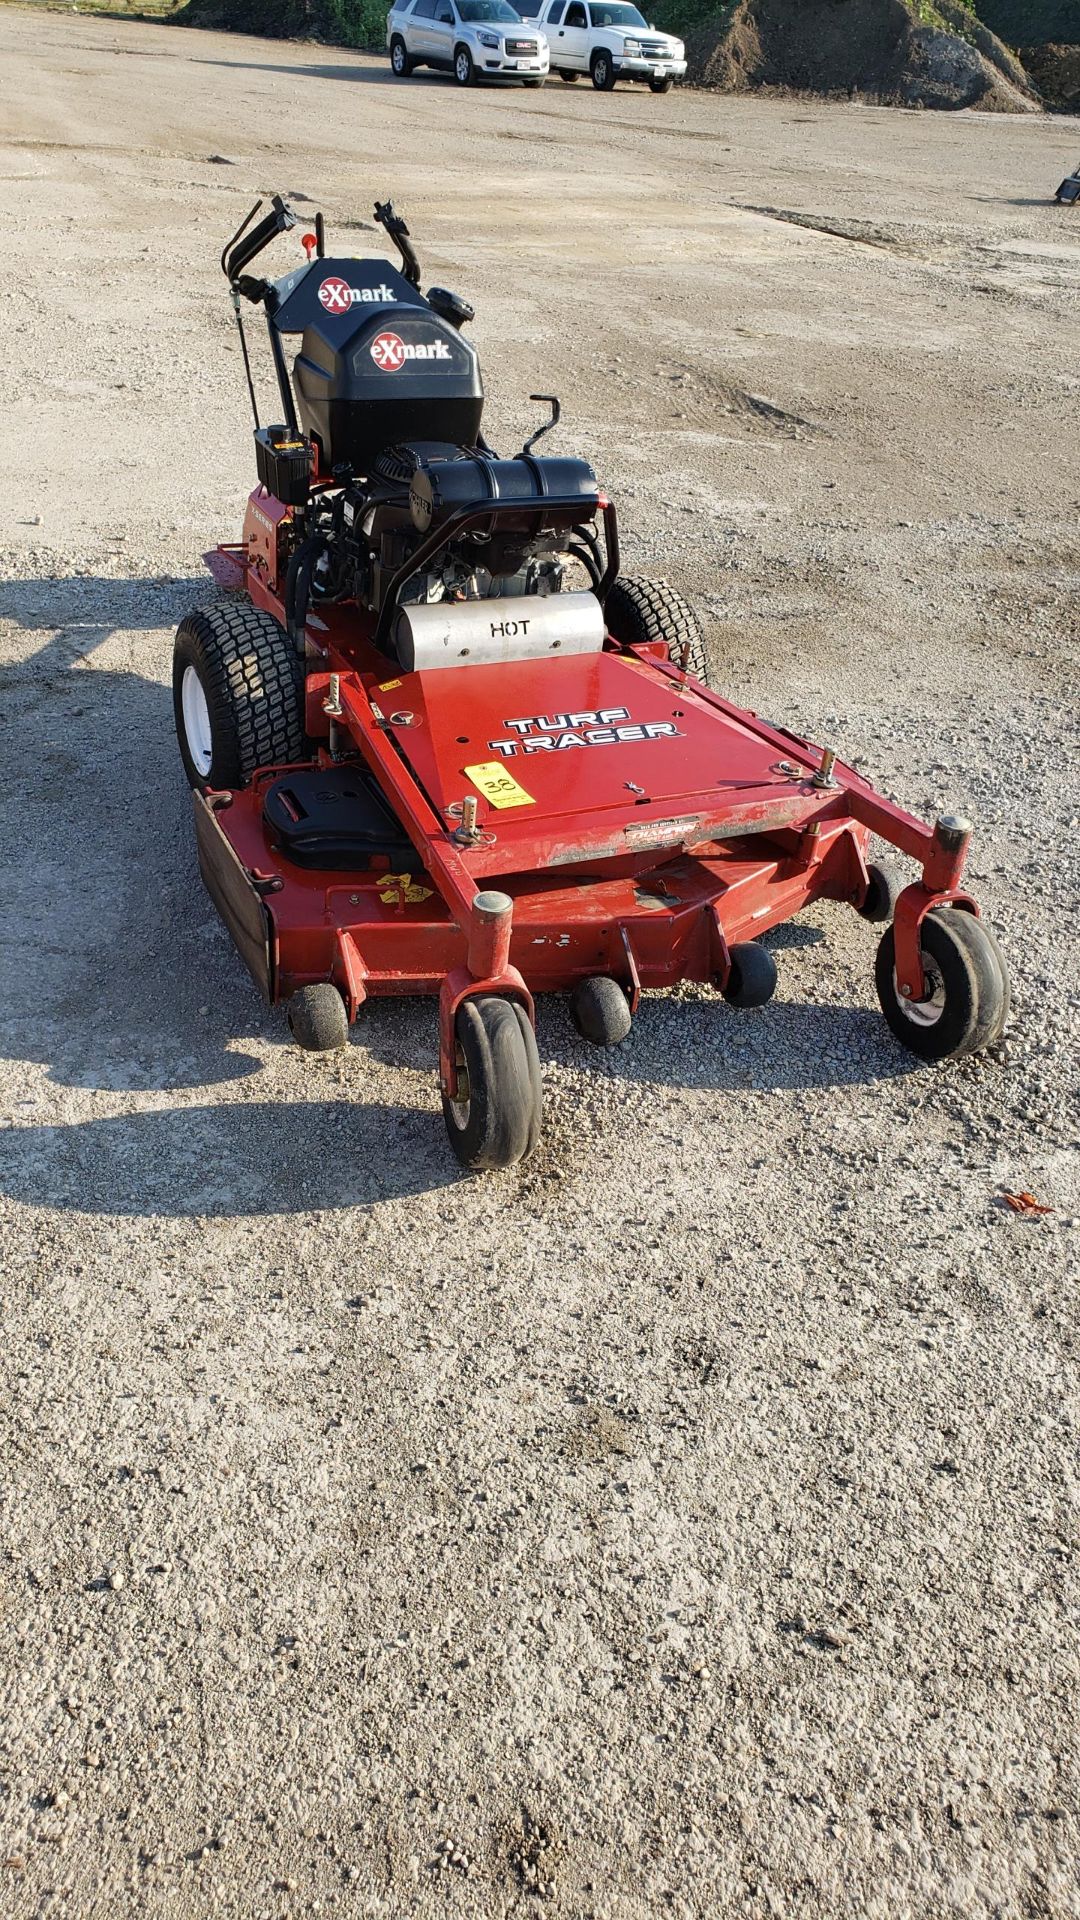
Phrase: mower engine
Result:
[378,515]
[387,543]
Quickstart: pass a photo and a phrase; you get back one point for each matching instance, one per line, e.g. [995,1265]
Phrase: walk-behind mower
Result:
[439,745]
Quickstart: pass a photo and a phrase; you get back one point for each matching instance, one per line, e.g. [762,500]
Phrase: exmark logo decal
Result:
[390,352]
[337,296]
[597,727]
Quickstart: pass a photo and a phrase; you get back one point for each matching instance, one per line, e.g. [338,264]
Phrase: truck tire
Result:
[639,611]
[238,695]
[602,68]
[400,61]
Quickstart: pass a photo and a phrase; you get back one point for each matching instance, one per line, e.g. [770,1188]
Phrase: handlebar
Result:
[240,253]
[399,234]
[242,249]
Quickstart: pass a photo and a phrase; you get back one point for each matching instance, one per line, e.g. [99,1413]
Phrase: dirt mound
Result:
[875,49]
[1056,73]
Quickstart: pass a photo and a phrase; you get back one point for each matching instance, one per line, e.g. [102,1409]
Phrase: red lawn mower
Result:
[438,744]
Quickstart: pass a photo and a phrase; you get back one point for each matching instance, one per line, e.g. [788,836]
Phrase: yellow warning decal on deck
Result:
[399,889]
[385,685]
[498,787]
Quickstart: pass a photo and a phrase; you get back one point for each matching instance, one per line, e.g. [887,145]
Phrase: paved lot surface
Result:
[686,1522]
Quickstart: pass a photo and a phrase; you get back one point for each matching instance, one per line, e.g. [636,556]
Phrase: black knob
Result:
[450,306]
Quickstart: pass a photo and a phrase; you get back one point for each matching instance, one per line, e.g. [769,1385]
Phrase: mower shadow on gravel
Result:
[239,1158]
[123,978]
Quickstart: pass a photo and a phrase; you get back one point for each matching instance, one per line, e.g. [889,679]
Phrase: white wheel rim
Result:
[927,1012]
[196,714]
[463,67]
[398,61]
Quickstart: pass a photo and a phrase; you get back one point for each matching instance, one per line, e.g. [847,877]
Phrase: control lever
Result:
[399,234]
[556,410]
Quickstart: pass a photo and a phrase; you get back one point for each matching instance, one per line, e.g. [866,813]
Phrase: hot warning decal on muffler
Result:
[597,727]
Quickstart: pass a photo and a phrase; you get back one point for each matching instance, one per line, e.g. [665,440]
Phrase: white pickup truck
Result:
[608,39]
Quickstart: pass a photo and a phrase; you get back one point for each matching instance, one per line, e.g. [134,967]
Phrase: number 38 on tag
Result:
[498,787]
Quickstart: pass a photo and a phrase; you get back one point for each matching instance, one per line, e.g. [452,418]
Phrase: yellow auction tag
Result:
[498,786]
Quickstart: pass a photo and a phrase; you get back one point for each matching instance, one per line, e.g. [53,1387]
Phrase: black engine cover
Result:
[376,364]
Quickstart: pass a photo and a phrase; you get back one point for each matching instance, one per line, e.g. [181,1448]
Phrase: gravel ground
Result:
[686,1521]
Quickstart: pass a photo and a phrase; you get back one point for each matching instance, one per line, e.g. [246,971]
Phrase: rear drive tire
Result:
[400,61]
[494,1120]
[603,71]
[966,1002]
[600,1010]
[238,695]
[317,1018]
[752,979]
[640,611]
[464,72]
[660,86]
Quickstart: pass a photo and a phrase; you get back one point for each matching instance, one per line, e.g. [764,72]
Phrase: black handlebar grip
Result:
[279,220]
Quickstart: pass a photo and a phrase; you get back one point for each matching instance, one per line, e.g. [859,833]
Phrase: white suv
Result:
[472,39]
[609,40]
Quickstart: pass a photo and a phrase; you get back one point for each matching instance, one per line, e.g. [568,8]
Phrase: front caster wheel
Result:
[966,1003]
[494,1118]
[317,1018]
[600,1010]
[752,979]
